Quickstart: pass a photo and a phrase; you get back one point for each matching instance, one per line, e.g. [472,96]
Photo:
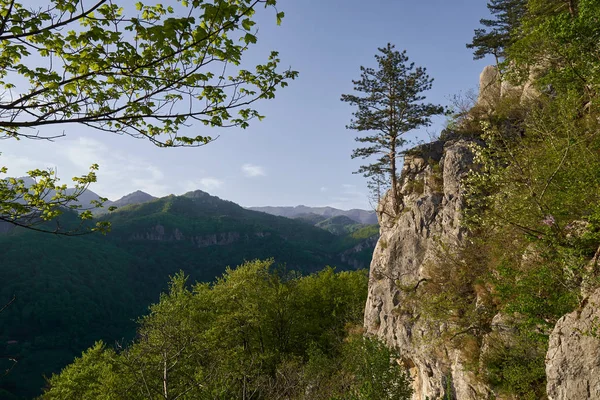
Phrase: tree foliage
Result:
[33,202]
[391,105]
[147,73]
[500,32]
[155,72]
[558,43]
[253,334]
[71,292]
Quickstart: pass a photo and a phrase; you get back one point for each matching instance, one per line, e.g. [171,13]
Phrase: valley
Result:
[72,291]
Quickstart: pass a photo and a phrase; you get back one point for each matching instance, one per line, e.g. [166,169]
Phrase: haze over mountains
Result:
[316,214]
[300,211]
[361,216]
[311,214]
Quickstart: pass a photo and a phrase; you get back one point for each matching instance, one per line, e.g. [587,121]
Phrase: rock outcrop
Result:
[432,190]
[573,358]
[492,88]
[159,233]
[489,87]
[350,256]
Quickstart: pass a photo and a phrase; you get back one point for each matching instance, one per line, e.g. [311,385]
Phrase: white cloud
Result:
[323,189]
[18,166]
[208,183]
[84,152]
[122,170]
[252,171]
[120,173]
[211,183]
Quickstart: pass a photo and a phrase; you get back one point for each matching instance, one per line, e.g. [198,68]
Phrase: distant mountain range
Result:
[72,291]
[313,215]
[361,216]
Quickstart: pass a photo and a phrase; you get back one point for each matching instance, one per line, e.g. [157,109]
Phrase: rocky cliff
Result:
[492,88]
[409,245]
[573,358]
[413,242]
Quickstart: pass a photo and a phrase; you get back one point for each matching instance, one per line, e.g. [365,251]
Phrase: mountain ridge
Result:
[358,215]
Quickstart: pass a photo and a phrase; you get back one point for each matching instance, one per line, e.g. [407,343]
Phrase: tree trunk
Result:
[572,8]
[395,194]
[165,376]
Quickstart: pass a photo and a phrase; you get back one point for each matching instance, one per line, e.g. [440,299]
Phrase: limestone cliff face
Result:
[573,358]
[433,200]
[492,87]
[160,234]
[432,190]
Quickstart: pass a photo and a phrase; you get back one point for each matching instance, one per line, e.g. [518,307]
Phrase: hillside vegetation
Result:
[532,203]
[71,292]
[254,333]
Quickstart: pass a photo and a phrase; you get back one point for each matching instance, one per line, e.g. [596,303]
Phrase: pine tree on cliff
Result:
[389,105]
[500,31]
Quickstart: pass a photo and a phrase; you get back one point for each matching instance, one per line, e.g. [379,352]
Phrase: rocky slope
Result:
[573,358]
[412,242]
[409,244]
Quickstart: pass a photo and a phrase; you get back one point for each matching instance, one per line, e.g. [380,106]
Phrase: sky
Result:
[300,153]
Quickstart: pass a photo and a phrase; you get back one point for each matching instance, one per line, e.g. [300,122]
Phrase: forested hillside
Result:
[254,333]
[71,292]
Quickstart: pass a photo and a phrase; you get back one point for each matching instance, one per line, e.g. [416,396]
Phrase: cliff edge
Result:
[433,200]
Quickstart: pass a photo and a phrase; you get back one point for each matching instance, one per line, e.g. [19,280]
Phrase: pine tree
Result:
[498,32]
[391,106]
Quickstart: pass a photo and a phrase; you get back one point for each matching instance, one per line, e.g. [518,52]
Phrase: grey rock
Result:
[573,358]
[432,189]
[158,233]
[490,88]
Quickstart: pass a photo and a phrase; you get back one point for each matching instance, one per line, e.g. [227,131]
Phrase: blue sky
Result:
[300,154]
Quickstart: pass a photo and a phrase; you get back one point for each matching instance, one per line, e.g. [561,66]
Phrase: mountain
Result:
[361,216]
[85,199]
[339,225]
[137,197]
[310,218]
[73,291]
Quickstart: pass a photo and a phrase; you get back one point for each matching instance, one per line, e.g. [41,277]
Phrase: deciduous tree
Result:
[157,72]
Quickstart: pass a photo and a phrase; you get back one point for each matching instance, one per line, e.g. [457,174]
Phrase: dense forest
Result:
[70,292]
[254,333]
